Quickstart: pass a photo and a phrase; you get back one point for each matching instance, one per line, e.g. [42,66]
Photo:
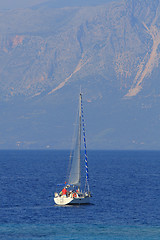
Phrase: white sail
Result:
[74,175]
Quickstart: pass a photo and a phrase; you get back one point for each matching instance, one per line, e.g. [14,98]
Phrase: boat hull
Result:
[63,200]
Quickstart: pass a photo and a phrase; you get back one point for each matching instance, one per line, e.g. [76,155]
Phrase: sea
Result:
[125,203]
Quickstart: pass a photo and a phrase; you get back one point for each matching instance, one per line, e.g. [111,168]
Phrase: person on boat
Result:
[78,190]
[64,191]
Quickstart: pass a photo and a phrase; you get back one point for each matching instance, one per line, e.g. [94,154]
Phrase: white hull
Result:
[64,200]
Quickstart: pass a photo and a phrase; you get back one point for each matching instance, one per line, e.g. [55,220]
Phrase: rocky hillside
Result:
[42,49]
[111,49]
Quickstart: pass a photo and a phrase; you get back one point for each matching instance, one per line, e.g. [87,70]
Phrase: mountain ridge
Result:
[111,50]
[102,39]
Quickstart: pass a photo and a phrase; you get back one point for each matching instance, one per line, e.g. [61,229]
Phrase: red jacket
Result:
[64,191]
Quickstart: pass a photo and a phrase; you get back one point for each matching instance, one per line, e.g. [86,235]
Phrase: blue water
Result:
[125,203]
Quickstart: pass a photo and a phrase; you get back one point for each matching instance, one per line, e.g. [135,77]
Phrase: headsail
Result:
[74,175]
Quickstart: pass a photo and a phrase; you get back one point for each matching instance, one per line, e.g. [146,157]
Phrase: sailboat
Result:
[72,192]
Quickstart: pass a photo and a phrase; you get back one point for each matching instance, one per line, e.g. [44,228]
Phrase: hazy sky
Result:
[11,4]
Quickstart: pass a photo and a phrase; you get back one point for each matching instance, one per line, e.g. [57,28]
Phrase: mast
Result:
[79,147]
[85,146]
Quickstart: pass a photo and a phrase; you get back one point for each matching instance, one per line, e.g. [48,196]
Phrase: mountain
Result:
[70,3]
[111,49]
